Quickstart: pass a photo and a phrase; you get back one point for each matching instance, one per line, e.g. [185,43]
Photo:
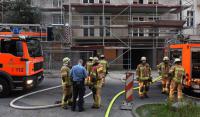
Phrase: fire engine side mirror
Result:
[23,59]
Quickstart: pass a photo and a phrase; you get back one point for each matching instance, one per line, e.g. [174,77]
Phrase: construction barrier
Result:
[129,87]
[127,105]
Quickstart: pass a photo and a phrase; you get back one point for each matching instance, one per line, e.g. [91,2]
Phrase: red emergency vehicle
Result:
[190,55]
[21,62]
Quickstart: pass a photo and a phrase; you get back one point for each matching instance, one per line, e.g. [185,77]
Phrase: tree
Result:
[21,12]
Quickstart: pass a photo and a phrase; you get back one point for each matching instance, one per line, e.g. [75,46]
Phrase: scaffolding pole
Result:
[104,26]
[130,39]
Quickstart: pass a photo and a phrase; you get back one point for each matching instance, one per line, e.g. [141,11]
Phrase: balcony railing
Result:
[167,2]
[120,20]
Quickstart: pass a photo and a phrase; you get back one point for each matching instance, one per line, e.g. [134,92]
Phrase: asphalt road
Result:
[112,87]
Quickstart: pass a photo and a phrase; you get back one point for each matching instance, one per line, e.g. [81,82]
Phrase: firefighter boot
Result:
[146,91]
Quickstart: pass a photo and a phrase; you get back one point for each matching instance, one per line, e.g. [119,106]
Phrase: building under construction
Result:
[124,30]
[121,30]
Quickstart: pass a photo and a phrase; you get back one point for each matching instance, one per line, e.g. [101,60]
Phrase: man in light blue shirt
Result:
[78,74]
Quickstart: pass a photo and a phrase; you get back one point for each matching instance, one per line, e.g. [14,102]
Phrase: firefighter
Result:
[89,64]
[66,83]
[88,67]
[143,73]
[163,70]
[105,67]
[178,73]
[96,77]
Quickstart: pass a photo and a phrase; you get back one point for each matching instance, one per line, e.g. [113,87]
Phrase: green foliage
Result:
[21,12]
[165,110]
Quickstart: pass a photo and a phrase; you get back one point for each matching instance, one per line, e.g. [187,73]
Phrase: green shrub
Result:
[166,110]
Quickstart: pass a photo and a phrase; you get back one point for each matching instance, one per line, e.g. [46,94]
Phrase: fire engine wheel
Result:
[4,88]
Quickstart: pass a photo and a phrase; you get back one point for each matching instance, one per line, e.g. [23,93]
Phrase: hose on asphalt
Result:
[119,94]
[56,105]
[37,107]
[12,103]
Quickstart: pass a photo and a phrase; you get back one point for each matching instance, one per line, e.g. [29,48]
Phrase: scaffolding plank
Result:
[158,23]
[88,47]
[114,9]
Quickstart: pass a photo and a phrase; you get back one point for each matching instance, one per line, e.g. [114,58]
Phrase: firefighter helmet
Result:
[143,58]
[165,58]
[95,59]
[66,60]
[91,58]
[177,60]
[102,56]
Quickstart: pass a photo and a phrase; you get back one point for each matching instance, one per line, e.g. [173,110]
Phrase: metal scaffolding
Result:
[152,33]
[126,29]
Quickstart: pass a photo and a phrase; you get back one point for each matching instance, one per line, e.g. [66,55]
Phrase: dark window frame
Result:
[88,21]
[190,18]
[107,23]
[88,1]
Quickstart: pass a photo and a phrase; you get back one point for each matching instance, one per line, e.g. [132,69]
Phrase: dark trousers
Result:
[78,91]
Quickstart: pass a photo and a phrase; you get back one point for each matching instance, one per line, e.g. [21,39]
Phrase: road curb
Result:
[135,114]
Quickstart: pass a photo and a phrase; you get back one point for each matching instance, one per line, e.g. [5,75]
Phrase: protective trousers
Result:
[97,95]
[165,85]
[143,88]
[67,96]
[173,86]
[104,78]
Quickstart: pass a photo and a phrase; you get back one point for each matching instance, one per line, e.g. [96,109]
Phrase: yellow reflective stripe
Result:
[143,78]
